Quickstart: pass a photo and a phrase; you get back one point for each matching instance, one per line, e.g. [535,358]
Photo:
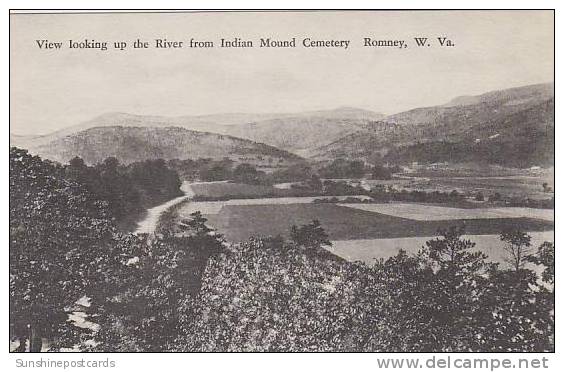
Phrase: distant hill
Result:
[530,94]
[513,127]
[206,123]
[300,133]
[295,132]
[510,127]
[130,144]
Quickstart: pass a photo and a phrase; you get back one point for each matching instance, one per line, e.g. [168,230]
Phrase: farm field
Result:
[520,185]
[473,170]
[214,207]
[232,189]
[527,186]
[398,182]
[239,222]
[370,250]
[423,212]
[360,231]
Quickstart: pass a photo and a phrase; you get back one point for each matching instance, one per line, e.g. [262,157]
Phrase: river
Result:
[149,223]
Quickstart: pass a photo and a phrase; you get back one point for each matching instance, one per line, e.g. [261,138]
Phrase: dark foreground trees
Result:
[65,251]
[290,297]
[462,302]
[186,290]
[449,294]
[128,189]
[151,289]
[58,230]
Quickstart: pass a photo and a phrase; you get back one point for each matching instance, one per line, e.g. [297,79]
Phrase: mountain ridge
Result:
[130,144]
[304,127]
[496,113]
[363,134]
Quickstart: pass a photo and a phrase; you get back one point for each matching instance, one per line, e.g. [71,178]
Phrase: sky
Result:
[54,89]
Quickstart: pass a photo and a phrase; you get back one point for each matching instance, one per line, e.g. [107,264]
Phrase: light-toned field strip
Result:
[370,250]
[202,183]
[284,186]
[422,212]
[213,207]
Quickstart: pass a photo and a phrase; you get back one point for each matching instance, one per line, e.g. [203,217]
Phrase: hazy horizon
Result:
[55,90]
[262,113]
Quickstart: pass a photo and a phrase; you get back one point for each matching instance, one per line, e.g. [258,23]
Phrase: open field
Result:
[361,231]
[214,207]
[472,178]
[397,182]
[225,189]
[233,190]
[370,250]
[480,170]
[423,212]
[524,186]
[239,222]
[529,185]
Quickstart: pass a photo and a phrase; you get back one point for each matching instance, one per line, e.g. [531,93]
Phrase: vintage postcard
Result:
[282,181]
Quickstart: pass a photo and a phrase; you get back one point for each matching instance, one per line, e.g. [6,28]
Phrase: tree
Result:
[513,316]
[518,314]
[314,183]
[311,235]
[457,286]
[342,168]
[148,304]
[544,256]
[196,224]
[454,194]
[356,169]
[216,171]
[517,246]
[115,187]
[545,296]
[546,188]
[58,230]
[293,173]
[281,300]
[78,170]
[128,190]
[381,173]
[495,197]
[246,173]
[406,325]
[152,179]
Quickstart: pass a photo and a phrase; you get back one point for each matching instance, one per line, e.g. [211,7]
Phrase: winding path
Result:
[149,223]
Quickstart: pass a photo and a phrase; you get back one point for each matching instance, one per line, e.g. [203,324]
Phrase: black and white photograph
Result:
[330,181]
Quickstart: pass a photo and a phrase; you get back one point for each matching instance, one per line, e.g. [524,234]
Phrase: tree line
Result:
[128,189]
[207,169]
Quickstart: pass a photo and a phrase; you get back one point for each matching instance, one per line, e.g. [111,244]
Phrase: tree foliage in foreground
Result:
[151,287]
[270,295]
[187,291]
[58,231]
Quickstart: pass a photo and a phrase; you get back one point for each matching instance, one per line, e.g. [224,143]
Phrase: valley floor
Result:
[361,231]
